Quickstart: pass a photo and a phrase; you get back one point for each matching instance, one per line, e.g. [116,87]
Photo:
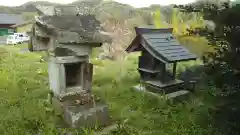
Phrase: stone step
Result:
[158,87]
[167,90]
[86,117]
[82,116]
[177,95]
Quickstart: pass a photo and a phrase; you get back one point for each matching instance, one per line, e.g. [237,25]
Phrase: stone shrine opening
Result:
[73,74]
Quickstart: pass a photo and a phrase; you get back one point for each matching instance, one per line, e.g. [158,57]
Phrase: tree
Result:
[225,37]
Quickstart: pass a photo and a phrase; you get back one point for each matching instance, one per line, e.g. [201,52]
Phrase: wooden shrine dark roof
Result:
[161,44]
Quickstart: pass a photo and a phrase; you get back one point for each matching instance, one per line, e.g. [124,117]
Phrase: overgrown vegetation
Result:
[24,87]
[24,79]
[222,63]
[223,37]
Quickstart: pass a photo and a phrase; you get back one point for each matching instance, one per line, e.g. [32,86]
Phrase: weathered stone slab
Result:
[142,88]
[87,116]
[73,95]
[78,50]
[176,96]
[68,59]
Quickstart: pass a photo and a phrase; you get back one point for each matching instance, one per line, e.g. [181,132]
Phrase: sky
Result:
[134,3]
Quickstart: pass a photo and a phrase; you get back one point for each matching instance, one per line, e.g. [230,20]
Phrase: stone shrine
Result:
[69,34]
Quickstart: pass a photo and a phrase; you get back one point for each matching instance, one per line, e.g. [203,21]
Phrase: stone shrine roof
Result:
[71,24]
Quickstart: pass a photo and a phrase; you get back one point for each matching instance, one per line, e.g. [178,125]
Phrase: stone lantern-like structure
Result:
[69,34]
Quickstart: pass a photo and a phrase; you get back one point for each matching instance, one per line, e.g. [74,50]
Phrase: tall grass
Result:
[24,88]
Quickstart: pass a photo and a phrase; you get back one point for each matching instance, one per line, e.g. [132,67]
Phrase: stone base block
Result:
[86,116]
[83,116]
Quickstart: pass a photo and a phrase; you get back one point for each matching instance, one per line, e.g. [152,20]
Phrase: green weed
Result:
[24,89]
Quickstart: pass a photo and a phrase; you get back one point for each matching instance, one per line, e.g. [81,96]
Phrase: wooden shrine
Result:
[159,49]
[69,35]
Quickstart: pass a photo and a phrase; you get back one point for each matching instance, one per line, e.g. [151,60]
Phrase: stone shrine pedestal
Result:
[70,80]
[88,116]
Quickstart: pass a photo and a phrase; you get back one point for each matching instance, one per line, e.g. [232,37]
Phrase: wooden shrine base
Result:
[162,85]
[177,95]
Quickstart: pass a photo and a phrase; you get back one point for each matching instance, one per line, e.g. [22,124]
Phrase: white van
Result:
[22,36]
[13,40]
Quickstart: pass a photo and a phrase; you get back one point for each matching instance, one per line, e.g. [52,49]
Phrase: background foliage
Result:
[223,37]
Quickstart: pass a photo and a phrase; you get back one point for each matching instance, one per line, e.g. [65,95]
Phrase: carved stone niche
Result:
[70,80]
[69,74]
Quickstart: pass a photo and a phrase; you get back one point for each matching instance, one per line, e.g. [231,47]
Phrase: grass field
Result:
[24,110]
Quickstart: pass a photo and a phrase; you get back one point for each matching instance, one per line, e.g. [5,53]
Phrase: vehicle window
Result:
[20,35]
